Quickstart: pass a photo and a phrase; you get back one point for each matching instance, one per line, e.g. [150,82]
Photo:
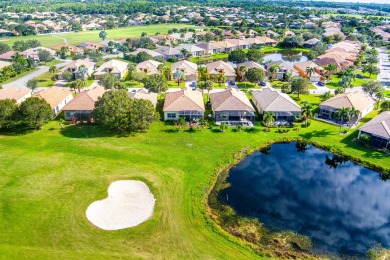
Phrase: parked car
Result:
[360,76]
[193,84]
[232,82]
[263,84]
[321,83]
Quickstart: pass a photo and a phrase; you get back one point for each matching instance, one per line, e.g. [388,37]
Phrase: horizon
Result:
[357,1]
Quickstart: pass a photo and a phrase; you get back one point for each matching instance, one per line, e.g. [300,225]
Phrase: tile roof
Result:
[188,67]
[379,125]
[230,99]
[53,95]
[218,67]
[144,94]
[85,100]
[184,100]
[357,100]
[271,100]
[14,93]
[116,66]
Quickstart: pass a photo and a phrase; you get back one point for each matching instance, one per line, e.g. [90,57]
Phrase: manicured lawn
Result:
[333,83]
[18,76]
[79,37]
[387,93]
[247,85]
[134,84]
[45,80]
[173,84]
[49,177]
[51,63]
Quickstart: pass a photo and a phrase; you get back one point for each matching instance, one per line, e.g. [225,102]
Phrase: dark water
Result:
[343,207]
[290,57]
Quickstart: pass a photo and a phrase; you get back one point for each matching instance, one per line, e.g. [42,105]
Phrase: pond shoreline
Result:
[260,239]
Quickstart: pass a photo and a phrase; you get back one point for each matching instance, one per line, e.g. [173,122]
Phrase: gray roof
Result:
[166,50]
[230,100]
[271,100]
[378,126]
[207,46]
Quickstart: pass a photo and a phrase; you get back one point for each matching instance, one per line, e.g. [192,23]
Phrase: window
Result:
[171,115]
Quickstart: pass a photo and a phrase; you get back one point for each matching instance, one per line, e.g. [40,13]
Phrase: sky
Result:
[360,1]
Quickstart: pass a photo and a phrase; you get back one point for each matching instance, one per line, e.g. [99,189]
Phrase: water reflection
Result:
[343,207]
[290,57]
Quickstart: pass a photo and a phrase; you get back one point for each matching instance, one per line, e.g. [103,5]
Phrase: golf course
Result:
[48,178]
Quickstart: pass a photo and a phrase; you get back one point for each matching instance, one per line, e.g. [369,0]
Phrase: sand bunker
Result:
[129,203]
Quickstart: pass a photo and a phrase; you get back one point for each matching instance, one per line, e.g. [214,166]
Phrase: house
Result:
[284,68]
[280,104]
[311,43]
[225,46]
[82,106]
[209,48]
[339,61]
[233,34]
[169,52]
[289,33]
[4,33]
[149,67]
[93,46]
[232,106]
[267,41]
[72,50]
[239,43]
[74,67]
[32,53]
[144,94]
[184,103]
[56,97]
[316,76]
[19,95]
[192,49]
[221,67]
[189,69]
[7,56]
[378,129]
[4,64]
[116,67]
[154,54]
[356,100]
[249,65]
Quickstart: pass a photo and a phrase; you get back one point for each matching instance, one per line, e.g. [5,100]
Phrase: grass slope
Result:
[49,177]
[49,40]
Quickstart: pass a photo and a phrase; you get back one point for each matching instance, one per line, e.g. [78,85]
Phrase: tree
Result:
[221,78]
[325,96]
[379,97]
[82,73]
[107,80]
[156,83]
[64,51]
[273,70]
[268,119]
[44,55]
[309,71]
[223,126]
[103,35]
[32,84]
[53,69]
[371,69]
[4,48]
[140,57]
[255,75]
[372,87]
[185,53]
[385,106]
[243,69]
[330,69]
[346,82]
[307,111]
[66,75]
[255,55]
[343,114]
[117,111]
[237,56]
[8,110]
[178,75]
[299,85]
[79,84]
[35,112]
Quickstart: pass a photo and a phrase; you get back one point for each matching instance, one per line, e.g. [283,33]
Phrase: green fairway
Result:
[49,40]
[49,177]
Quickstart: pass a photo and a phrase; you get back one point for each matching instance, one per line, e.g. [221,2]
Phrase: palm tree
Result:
[273,70]
[330,68]
[78,84]
[309,71]
[178,75]
[103,35]
[268,119]
[353,113]
[202,73]
[64,51]
[82,73]
[243,69]
[53,69]
[167,73]
[287,76]
[223,126]
[221,78]
[342,114]
[17,57]
[307,110]
[379,96]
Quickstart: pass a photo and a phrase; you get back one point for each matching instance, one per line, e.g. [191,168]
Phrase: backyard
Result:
[333,83]
[49,177]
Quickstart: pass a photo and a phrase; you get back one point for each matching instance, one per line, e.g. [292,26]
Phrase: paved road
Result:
[384,66]
[21,82]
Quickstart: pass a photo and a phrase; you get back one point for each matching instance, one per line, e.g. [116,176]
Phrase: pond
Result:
[290,57]
[344,208]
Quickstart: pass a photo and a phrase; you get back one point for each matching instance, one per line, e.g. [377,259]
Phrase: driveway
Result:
[384,66]
[21,82]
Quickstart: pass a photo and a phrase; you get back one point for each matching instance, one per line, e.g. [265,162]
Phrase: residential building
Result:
[302,68]
[356,100]
[72,50]
[189,69]
[311,43]
[232,106]
[33,52]
[149,67]
[19,95]
[240,43]
[82,106]
[209,47]
[221,67]
[284,68]
[225,46]
[74,67]
[378,129]
[56,97]
[4,64]
[154,54]
[249,65]
[93,46]
[280,104]
[169,52]
[7,56]
[116,67]
[192,49]
[184,103]
[144,94]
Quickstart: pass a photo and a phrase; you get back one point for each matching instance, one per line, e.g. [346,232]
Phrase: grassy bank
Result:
[49,177]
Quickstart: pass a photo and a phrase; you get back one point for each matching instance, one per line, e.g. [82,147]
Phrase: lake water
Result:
[343,207]
[290,57]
